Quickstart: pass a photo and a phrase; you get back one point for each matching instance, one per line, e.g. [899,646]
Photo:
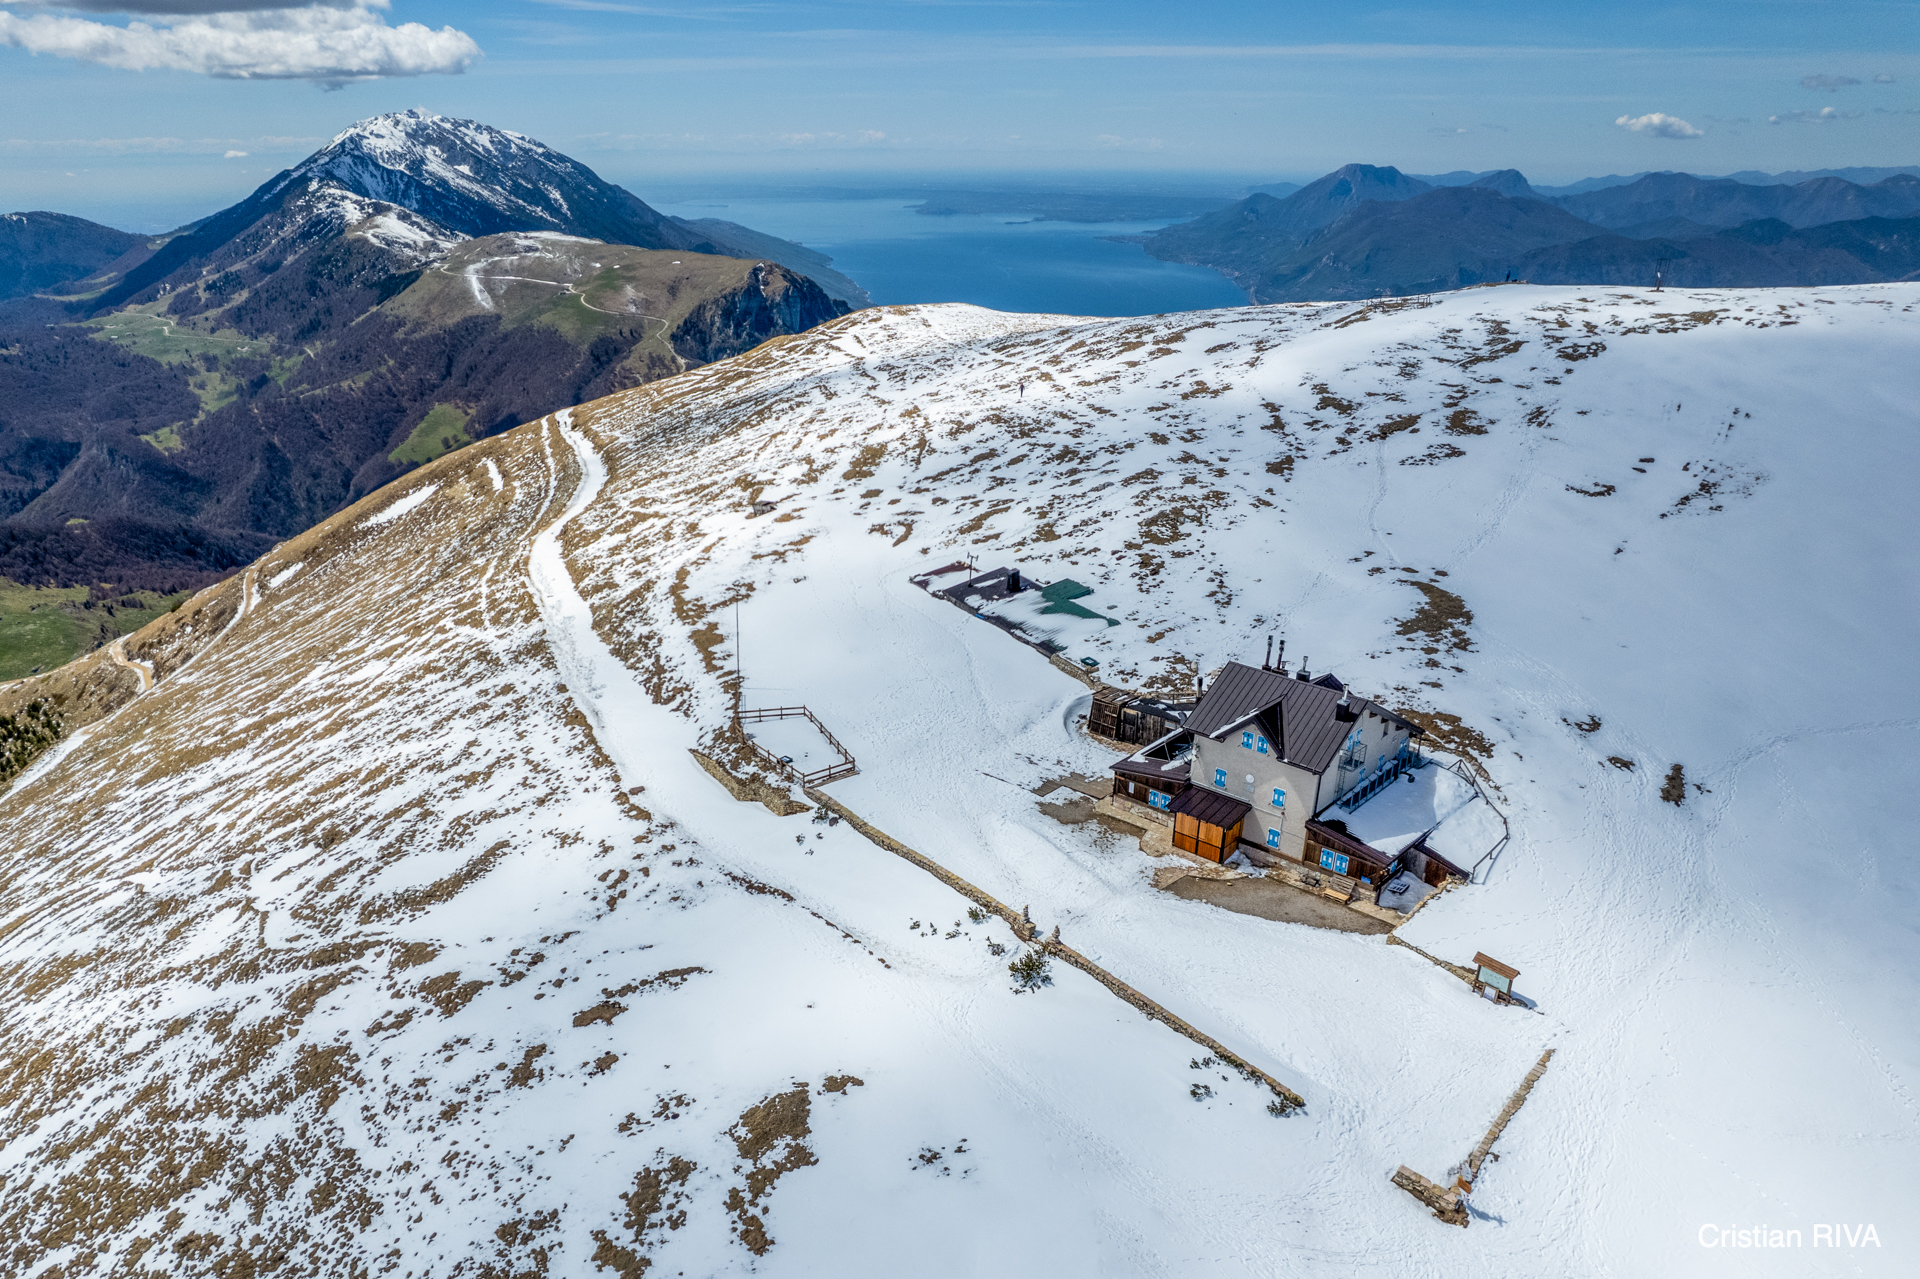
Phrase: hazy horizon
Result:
[151,215]
[184,114]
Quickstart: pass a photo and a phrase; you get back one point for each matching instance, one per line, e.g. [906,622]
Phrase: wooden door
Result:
[1186,833]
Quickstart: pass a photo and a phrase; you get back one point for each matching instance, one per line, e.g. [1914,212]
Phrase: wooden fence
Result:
[817,777]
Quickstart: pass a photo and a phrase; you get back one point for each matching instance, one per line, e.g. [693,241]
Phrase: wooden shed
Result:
[1119,716]
[1207,822]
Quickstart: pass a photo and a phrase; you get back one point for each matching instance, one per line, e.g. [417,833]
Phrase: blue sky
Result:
[651,94]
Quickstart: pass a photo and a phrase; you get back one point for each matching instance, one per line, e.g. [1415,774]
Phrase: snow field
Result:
[433,739]
[1696,967]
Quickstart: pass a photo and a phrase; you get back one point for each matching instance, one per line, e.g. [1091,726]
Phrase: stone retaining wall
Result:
[1463,973]
[1512,1108]
[751,790]
[1074,669]
[1445,1203]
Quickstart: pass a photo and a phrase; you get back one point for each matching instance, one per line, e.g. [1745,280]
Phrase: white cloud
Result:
[1885,78]
[172,8]
[1825,115]
[328,44]
[1828,83]
[1659,124]
[234,155]
[862,138]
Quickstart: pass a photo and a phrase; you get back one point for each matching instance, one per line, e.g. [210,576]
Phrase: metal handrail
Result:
[1506,830]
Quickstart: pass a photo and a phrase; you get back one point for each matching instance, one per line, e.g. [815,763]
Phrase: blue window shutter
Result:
[1246,741]
[1219,777]
[1279,798]
[1273,838]
[1262,747]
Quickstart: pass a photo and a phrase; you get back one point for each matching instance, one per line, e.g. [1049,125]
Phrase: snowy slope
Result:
[244,915]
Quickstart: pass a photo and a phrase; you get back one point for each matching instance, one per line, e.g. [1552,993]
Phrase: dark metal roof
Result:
[989,586]
[1373,858]
[1309,731]
[1155,772]
[1446,865]
[1173,712]
[1210,807]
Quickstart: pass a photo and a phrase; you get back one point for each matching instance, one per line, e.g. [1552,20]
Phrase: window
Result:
[1260,744]
[1158,799]
[1279,798]
[1220,778]
[1335,862]
[1273,838]
[1246,741]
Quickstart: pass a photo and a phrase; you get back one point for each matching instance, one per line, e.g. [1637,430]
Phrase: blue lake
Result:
[899,256]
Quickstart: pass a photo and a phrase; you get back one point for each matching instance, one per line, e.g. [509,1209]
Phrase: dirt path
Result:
[471,276]
[1283,903]
[117,651]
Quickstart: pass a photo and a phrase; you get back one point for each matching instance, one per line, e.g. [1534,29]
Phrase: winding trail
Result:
[117,651]
[473,277]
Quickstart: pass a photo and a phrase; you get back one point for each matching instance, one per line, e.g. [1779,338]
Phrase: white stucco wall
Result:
[1306,793]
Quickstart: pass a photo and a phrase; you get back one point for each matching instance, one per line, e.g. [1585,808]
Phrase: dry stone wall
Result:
[1289,1100]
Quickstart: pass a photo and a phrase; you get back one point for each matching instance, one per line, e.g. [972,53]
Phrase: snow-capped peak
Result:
[475,179]
[406,140]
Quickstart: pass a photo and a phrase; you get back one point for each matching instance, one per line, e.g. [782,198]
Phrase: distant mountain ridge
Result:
[1725,202]
[415,285]
[1364,231]
[41,250]
[1752,177]
[422,182]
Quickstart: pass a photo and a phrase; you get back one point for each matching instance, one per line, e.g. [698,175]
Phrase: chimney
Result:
[1268,664]
[1302,674]
[1280,658]
[1344,710]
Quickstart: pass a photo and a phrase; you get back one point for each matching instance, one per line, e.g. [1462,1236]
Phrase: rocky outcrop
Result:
[773,301]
